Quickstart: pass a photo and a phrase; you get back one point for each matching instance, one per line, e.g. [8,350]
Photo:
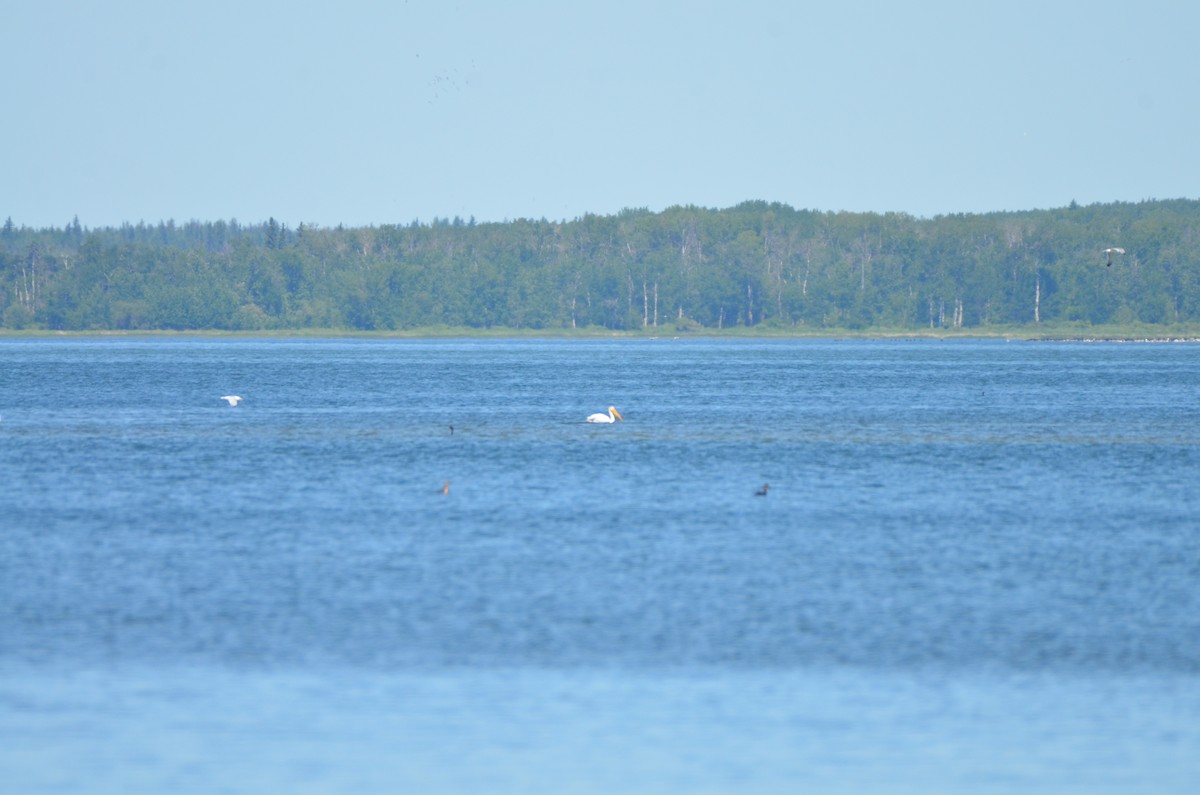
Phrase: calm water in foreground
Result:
[977,568]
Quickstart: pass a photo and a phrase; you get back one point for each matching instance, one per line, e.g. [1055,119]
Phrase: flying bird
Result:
[233,399]
[1110,252]
[612,416]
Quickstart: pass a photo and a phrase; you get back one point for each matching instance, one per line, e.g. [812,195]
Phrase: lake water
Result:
[977,568]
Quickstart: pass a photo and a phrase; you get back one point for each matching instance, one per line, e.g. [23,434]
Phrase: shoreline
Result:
[1020,334]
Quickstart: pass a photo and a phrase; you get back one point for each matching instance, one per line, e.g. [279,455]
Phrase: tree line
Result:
[756,265]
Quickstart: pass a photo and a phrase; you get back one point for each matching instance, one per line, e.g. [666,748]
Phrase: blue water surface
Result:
[977,567]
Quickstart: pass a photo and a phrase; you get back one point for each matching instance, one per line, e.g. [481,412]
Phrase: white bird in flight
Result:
[233,399]
[612,416]
[1111,251]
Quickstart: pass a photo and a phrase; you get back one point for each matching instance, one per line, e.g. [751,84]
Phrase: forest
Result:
[758,266]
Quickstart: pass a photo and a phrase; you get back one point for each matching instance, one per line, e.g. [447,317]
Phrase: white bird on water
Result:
[233,399]
[612,416]
[1111,251]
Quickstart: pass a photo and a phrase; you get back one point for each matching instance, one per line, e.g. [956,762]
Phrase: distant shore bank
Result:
[1021,333]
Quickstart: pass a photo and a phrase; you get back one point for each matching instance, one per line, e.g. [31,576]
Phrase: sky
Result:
[369,112]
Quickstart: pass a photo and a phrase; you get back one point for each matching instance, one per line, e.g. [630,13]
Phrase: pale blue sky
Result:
[368,113]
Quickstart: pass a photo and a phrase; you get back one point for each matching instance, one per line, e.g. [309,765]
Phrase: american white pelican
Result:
[763,491]
[1111,251]
[612,416]
[233,399]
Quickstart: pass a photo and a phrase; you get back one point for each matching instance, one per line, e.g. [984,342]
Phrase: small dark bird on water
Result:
[451,430]
[763,491]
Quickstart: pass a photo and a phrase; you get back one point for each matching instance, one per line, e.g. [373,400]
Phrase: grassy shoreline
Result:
[1044,332]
